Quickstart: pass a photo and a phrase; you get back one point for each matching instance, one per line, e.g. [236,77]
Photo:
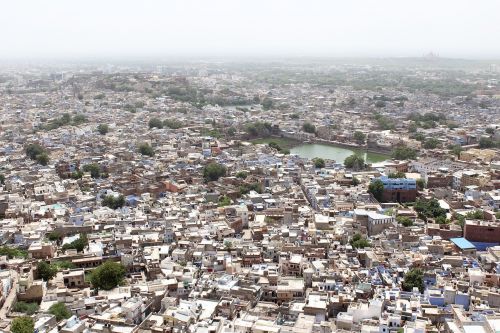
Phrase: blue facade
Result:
[463,299]
[398,183]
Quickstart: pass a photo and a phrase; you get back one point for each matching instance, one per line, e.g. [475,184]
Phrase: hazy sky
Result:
[113,28]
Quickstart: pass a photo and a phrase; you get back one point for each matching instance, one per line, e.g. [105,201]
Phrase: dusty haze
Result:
[123,28]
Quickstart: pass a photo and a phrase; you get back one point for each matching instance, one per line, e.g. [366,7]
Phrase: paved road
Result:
[10,298]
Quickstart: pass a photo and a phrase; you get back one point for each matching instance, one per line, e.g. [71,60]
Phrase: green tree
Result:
[456,150]
[2,179]
[379,104]
[398,174]
[65,264]
[54,236]
[46,271]
[419,137]
[78,244]
[376,188]
[242,174]
[36,152]
[12,252]
[318,162]
[79,119]
[355,181]
[404,153]
[355,162]
[475,215]
[486,143]
[60,311]
[358,242]
[429,209]
[107,276]
[359,137]
[113,202]
[42,159]
[172,123]
[231,131]
[155,122]
[22,324]
[267,103]
[246,188]
[213,171]
[413,278]
[94,169]
[274,145]
[431,143]
[405,221]
[25,307]
[228,245]
[259,129]
[146,149]
[490,130]
[420,184]
[308,128]
[224,201]
[103,129]
[441,219]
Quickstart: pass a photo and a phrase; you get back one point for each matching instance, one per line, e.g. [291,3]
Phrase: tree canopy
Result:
[146,149]
[46,271]
[36,152]
[26,307]
[155,123]
[107,276]
[213,171]
[429,209]
[413,278]
[355,162]
[172,123]
[94,169]
[242,174]
[456,150]
[267,103]
[22,324]
[359,137]
[404,153]
[405,221]
[358,242]
[60,311]
[487,143]
[78,244]
[376,188]
[398,174]
[259,129]
[308,128]
[431,143]
[113,202]
[12,252]
[103,129]
[318,162]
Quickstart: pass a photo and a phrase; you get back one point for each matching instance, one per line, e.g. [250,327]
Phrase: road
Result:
[11,297]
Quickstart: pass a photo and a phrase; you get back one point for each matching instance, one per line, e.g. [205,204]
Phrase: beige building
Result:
[485,155]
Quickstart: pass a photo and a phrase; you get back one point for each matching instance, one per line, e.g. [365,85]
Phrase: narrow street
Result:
[10,298]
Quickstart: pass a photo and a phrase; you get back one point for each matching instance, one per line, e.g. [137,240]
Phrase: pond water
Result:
[339,154]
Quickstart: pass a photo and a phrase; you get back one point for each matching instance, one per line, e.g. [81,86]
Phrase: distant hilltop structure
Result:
[431,56]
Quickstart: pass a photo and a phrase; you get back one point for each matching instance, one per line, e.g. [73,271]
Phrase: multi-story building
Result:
[399,189]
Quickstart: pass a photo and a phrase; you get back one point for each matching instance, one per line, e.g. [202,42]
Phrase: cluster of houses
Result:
[270,244]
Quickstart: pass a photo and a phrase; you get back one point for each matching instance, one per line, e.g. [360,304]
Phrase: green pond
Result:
[336,153]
